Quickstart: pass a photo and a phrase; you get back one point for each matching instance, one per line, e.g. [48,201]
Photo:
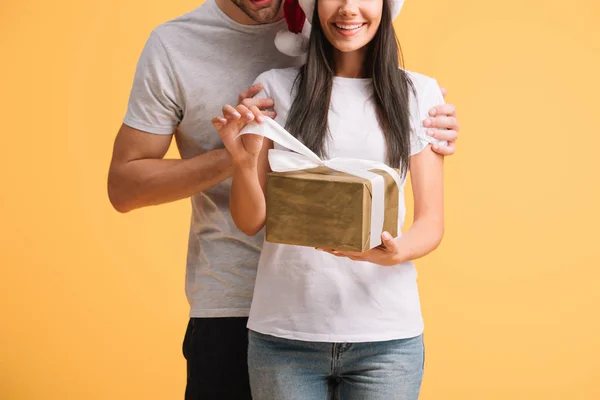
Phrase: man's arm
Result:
[140,177]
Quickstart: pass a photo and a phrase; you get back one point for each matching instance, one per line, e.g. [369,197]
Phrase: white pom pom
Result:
[291,44]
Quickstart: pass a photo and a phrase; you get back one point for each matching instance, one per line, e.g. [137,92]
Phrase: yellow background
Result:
[92,303]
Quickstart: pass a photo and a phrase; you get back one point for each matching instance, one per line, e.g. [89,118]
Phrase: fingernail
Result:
[436,147]
[427,122]
[260,119]
[386,236]
[430,132]
[432,112]
[236,114]
[249,115]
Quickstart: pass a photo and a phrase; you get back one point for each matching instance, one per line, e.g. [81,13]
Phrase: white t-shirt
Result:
[304,294]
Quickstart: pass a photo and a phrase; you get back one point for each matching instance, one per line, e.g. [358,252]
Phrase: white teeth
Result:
[348,27]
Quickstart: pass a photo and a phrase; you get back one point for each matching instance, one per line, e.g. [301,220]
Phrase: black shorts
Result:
[216,350]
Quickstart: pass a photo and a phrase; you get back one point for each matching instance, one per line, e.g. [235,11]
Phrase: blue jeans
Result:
[284,369]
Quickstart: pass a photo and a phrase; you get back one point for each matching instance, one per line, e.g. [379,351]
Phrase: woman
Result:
[331,323]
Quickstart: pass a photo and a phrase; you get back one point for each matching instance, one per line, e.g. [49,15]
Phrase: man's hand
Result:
[265,105]
[442,124]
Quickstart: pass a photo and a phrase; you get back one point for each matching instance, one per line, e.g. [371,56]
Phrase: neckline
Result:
[352,81]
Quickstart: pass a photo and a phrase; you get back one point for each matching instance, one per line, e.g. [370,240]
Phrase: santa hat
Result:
[298,14]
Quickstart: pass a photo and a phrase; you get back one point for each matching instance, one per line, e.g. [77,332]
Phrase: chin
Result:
[348,48]
[265,16]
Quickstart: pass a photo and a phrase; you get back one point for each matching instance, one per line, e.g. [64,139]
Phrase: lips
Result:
[348,28]
[260,3]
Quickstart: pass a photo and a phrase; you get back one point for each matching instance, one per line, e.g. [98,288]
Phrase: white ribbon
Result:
[302,158]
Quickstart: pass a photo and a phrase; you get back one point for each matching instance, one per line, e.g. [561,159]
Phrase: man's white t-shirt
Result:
[305,294]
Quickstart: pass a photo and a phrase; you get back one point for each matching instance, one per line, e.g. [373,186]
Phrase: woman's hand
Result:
[387,254]
[244,152]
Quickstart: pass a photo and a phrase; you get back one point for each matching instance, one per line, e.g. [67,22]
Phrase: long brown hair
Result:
[307,118]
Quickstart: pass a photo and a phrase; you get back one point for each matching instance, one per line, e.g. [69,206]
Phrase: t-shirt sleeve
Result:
[265,80]
[155,101]
[427,98]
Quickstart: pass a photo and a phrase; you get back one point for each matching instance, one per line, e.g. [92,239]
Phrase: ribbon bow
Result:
[302,158]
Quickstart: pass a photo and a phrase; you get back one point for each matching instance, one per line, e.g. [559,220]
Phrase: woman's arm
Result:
[249,155]
[425,234]
[427,230]
[247,199]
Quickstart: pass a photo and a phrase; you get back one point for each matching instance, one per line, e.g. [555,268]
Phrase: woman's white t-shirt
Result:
[305,294]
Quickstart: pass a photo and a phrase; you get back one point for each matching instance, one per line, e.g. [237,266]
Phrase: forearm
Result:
[247,201]
[146,182]
[422,238]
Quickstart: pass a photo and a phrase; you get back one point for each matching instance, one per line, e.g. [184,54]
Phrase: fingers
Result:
[445,150]
[264,104]
[238,116]
[443,134]
[261,103]
[443,109]
[349,254]
[218,121]
[387,240]
[250,92]
[223,127]
[257,114]
[251,113]
[232,120]
[442,122]
[245,112]
[355,256]
[269,113]
[241,112]
[231,113]
[444,92]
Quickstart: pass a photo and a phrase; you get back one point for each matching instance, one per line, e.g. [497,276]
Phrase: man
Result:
[188,69]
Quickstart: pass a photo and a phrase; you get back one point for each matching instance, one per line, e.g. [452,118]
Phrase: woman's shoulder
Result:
[422,83]
[427,92]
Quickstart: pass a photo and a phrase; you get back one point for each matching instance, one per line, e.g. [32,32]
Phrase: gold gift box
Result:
[327,209]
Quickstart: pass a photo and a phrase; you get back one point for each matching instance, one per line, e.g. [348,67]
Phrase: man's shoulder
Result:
[192,22]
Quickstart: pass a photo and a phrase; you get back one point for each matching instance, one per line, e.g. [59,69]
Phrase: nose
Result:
[349,8]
